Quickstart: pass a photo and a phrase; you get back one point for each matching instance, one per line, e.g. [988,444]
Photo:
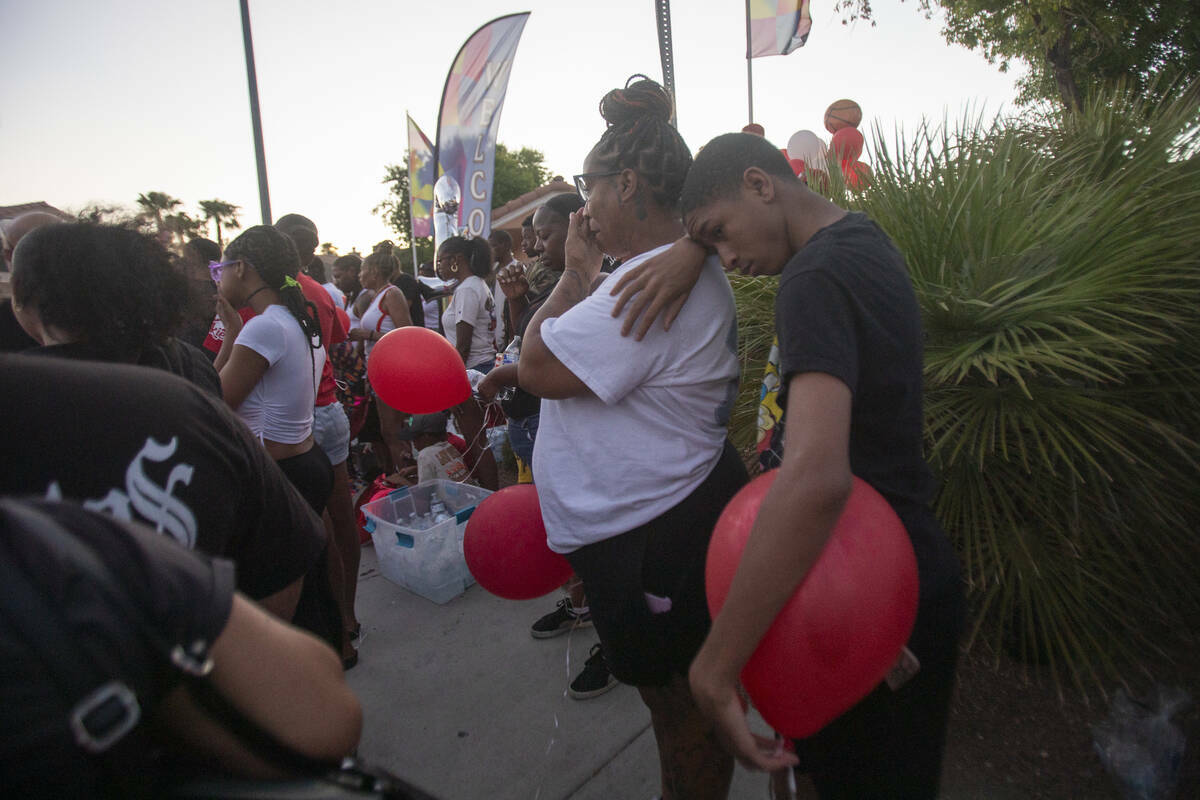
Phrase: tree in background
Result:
[1074,46]
[327,249]
[220,212]
[182,226]
[98,214]
[156,205]
[516,173]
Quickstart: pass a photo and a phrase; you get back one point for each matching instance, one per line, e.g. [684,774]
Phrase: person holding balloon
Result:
[631,462]
[387,311]
[850,343]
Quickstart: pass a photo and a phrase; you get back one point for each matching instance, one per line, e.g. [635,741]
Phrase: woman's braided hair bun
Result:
[641,99]
[640,137]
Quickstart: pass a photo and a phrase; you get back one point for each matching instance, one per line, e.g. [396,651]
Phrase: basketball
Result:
[842,114]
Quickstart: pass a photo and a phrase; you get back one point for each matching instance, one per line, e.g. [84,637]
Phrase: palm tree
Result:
[156,205]
[221,213]
[182,226]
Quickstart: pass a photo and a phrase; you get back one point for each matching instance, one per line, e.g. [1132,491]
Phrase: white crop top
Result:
[280,406]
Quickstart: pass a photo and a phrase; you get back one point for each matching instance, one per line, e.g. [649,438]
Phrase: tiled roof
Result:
[11,212]
[514,211]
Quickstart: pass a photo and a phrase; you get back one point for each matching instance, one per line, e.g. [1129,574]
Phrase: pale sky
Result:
[103,99]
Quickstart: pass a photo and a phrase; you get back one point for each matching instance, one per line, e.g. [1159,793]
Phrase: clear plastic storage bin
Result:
[423,556]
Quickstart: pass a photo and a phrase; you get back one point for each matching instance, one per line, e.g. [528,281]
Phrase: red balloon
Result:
[797,166]
[505,546]
[846,623]
[344,317]
[858,175]
[848,144]
[415,370]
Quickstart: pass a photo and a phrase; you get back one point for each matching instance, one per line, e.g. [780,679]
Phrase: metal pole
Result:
[749,71]
[264,196]
[666,56]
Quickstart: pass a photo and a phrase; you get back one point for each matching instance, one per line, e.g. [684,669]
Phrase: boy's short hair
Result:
[719,166]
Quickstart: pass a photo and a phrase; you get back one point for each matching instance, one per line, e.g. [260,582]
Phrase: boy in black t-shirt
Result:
[850,347]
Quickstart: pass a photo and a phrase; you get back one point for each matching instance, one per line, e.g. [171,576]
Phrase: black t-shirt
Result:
[178,598]
[415,292]
[174,356]
[846,307]
[145,445]
[523,404]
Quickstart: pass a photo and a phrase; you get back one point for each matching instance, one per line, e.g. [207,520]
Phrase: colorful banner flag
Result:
[470,116]
[777,27]
[420,181]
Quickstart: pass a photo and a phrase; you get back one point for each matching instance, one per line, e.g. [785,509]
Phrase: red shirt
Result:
[216,332]
[332,332]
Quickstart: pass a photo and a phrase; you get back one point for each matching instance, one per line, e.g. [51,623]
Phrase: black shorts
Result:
[664,557]
[312,474]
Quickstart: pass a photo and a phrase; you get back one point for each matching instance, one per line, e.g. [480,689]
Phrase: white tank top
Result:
[375,318]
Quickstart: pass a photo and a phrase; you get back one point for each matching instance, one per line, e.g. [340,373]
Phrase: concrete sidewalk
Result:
[463,702]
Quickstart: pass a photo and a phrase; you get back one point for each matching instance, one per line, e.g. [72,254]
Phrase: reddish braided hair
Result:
[640,137]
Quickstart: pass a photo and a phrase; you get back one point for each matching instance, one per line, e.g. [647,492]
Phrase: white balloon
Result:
[808,147]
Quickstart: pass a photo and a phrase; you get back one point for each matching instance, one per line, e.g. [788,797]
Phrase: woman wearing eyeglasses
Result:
[270,366]
[105,293]
[631,459]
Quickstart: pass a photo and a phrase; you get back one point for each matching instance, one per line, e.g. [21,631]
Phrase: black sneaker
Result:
[560,620]
[595,678]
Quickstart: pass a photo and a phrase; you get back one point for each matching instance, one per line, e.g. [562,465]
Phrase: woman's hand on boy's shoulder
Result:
[659,287]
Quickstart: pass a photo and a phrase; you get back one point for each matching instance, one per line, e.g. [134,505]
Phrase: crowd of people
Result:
[221,398]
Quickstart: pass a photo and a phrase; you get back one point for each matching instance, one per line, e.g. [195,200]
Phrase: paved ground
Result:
[463,702]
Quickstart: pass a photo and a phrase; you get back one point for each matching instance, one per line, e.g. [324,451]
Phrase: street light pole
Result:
[264,196]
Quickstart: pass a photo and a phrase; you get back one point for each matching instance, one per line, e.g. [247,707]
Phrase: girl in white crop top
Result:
[270,366]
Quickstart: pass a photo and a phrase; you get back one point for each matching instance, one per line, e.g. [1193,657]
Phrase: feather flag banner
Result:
[420,181]
[470,116]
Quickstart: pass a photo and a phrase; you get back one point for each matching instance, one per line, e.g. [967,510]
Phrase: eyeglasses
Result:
[215,268]
[582,179]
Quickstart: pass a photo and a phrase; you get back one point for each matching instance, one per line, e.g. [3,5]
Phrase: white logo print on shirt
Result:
[153,503]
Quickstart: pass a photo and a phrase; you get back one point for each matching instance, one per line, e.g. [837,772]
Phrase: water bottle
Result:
[437,510]
[510,355]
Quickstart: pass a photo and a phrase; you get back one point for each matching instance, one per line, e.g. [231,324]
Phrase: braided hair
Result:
[272,254]
[477,252]
[640,137]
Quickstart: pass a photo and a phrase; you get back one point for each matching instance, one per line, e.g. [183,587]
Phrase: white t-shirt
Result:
[335,293]
[441,460]
[430,307]
[654,424]
[472,303]
[280,406]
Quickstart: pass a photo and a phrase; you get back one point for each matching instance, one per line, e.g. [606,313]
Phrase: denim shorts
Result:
[521,433]
[331,430]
